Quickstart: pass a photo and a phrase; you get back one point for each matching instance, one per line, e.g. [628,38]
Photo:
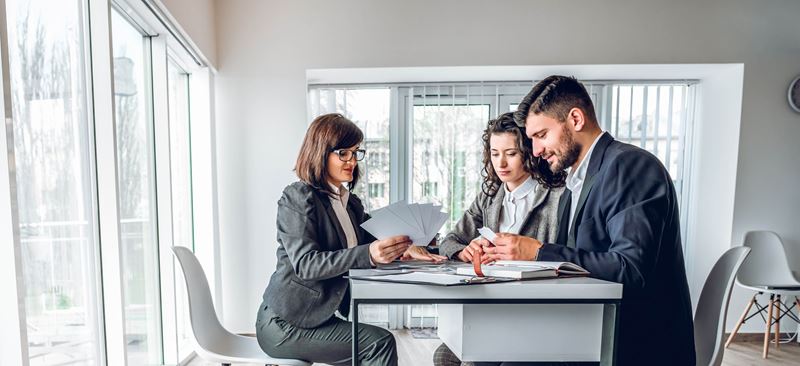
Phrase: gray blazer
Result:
[541,223]
[308,285]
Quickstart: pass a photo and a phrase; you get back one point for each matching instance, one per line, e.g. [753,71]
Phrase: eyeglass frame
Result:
[353,154]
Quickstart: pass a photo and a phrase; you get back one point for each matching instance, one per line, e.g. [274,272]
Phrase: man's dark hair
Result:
[555,96]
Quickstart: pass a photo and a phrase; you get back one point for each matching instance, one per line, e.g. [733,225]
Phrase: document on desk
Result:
[446,266]
[429,278]
[526,269]
[420,222]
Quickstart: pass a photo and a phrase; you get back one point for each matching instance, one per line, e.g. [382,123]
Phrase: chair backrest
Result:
[712,308]
[206,328]
[767,264]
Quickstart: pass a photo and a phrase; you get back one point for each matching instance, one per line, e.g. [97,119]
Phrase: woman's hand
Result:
[474,247]
[420,253]
[386,250]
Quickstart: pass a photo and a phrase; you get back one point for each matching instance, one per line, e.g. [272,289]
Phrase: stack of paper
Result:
[420,222]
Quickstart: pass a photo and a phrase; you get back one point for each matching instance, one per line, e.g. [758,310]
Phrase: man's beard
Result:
[571,150]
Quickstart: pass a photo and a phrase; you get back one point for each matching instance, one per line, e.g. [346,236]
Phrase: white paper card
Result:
[420,222]
[487,233]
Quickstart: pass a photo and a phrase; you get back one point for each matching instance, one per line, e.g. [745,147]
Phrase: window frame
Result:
[14,341]
[153,99]
[14,346]
[172,278]
[166,47]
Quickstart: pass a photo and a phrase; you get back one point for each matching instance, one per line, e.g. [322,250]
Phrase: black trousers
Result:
[329,343]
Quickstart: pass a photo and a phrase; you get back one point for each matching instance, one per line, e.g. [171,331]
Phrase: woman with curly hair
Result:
[519,195]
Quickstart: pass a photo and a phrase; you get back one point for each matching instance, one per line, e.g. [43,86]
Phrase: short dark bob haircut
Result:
[326,133]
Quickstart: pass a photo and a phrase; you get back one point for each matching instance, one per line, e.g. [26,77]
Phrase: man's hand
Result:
[470,250]
[420,253]
[513,247]
[387,250]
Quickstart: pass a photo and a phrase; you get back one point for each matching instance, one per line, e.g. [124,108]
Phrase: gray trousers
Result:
[329,343]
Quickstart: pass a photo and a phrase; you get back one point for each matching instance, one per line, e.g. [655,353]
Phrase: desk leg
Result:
[354,337]
[608,348]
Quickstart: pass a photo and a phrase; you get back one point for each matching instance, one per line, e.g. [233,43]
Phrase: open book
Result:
[526,269]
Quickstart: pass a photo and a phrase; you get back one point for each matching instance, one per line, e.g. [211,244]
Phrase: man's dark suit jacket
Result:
[627,230]
[308,285]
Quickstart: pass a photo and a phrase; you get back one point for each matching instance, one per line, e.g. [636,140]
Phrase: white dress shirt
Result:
[339,203]
[575,179]
[516,206]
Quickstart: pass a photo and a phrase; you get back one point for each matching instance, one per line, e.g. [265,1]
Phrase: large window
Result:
[54,181]
[101,185]
[436,131]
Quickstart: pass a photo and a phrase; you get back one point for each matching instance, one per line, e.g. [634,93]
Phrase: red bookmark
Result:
[476,262]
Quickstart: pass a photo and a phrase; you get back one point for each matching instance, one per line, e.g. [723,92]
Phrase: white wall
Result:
[265,47]
[197,20]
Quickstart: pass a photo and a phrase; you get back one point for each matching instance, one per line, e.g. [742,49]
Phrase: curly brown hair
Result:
[535,166]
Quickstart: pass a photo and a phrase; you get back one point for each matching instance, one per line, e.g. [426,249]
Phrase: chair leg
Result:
[797,301]
[778,323]
[741,320]
[768,328]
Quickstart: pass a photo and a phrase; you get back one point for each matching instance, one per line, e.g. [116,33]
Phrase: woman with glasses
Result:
[519,195]
[319,240]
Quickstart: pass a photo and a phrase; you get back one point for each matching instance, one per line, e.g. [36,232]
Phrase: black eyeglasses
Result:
[347,155]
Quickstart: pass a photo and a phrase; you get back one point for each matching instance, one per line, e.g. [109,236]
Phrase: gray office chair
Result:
[767,271]
[212,341]
[712,308]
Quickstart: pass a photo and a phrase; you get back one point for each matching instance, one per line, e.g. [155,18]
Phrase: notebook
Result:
[526,269]
[427,278]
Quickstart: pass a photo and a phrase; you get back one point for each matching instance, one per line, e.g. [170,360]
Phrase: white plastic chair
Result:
[712,308]
[213,342]
[766,271]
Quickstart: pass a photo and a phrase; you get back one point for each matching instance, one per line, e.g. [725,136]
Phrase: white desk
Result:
[552,291]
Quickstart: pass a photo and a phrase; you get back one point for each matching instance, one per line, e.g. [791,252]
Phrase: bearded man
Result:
[619,220]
